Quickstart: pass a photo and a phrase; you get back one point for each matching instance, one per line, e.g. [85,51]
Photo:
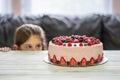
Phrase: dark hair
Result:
[23,33]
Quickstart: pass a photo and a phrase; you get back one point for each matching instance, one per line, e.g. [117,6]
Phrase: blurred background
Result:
[59,7]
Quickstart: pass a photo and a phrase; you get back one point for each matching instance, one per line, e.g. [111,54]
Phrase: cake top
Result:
[75,40]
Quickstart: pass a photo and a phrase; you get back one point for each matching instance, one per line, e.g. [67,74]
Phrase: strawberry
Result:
[54,59]
[73,62]
[62,61]
[83,62]
[76,41]
[99,59]
[68,39]
[92,61]
[85,38]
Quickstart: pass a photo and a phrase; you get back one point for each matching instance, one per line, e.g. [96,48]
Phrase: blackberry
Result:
[85,41]
[85,44]
[53,40]
[72,37]
[64,41]
[81,39]
[64,44]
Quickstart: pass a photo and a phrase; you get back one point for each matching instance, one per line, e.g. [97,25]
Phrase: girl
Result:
[28,37]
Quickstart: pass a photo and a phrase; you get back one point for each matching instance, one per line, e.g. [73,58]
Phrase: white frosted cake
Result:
[75,50]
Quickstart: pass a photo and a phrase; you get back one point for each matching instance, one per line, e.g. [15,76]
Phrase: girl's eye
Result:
[38,46]
[28,46]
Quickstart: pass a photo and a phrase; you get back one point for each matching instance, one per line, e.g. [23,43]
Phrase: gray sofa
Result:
[104,27]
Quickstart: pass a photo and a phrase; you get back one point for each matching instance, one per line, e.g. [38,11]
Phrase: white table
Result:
[29,65]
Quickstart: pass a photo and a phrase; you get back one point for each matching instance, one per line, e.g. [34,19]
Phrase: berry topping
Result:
[60,43]
[81,44]
[72,37]
[74,40]
[89,43]
[64,44]
[75,45]
[69,44]
[68,39]
[81,39]
[85,38]
[98,41]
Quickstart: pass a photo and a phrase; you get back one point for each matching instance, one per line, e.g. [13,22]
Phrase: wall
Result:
[116,6]
[16,6]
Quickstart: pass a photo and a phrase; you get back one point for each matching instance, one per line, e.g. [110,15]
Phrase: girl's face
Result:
[34,43]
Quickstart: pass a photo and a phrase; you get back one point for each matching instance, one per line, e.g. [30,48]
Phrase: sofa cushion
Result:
[111,32]
[2,37]
[8,25]
[67,25]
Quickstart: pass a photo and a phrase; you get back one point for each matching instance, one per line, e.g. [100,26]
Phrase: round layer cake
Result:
[75,50]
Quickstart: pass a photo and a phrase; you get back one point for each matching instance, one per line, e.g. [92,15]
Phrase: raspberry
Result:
[95,42]
[89,43]
[60,43]
[91,38]
[69,44]
[98,41]
[81,44]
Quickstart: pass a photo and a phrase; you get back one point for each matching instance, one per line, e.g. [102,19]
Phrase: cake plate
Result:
[104,60]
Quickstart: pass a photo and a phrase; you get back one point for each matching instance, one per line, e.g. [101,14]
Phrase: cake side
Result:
[77,52]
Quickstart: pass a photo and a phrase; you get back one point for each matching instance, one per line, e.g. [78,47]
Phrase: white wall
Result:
[116,6]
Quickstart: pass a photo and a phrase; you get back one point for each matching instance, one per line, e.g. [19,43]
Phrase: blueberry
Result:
[75,45]
[85,44]
[64,44]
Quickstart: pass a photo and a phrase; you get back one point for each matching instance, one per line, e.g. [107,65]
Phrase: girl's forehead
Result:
[34,39]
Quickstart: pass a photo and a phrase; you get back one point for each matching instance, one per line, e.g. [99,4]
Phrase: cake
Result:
[75,50]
